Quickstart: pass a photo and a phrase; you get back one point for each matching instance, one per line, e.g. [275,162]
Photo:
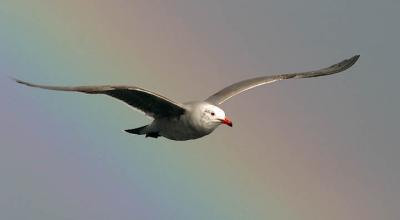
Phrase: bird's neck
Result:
[198,119]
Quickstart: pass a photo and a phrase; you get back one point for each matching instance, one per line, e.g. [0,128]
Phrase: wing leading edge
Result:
[152,104]
[239,87]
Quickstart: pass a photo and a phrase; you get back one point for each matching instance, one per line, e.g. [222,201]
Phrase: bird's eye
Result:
[212,113]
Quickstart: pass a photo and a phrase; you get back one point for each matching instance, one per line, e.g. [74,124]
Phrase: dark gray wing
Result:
[234,89]
[150,103]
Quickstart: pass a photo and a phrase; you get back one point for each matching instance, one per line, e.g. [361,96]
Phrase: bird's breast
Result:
[182,128]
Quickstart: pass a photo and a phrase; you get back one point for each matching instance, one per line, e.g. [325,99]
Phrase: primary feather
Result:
[239,87]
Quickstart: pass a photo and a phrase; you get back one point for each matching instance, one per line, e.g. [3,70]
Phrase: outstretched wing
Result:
[234,89]
[150,103]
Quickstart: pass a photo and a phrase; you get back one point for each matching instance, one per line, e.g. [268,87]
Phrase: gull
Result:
[190,120]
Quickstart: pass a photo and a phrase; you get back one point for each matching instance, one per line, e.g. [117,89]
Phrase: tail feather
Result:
[138,131]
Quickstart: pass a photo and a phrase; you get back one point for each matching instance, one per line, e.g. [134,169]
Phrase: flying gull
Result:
[191,120]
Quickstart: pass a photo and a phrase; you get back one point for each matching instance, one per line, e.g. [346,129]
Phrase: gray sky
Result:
[303,149]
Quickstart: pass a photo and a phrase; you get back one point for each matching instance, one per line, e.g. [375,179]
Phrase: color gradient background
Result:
[323,148]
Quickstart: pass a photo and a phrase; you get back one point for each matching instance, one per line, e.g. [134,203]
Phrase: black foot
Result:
[153,135]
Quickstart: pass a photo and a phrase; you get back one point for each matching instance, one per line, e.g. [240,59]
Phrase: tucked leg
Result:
[153,134]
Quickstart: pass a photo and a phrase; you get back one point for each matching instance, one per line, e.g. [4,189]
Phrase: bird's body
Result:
[194,123]
[189,125]
[192,120]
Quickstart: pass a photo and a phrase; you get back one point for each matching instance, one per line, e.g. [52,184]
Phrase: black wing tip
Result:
[351,61]
[14,79]
[19,81]
[355,58]
[345,64]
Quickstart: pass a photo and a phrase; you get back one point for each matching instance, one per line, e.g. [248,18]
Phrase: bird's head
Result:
[211,116]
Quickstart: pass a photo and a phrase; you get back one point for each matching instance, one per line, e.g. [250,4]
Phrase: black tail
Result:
[142,131]
[138,131]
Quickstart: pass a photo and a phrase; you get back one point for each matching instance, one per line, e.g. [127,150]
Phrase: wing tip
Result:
[355,58]
[345,64]
[19,81]
[350,62]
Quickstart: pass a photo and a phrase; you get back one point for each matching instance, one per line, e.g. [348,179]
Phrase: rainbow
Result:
[231,174]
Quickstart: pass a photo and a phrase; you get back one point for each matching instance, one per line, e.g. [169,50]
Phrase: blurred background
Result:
[324,148]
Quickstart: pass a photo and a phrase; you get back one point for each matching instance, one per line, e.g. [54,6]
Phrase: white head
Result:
[210,116]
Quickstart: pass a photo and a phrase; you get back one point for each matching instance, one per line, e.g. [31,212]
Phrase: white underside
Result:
[177,129]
